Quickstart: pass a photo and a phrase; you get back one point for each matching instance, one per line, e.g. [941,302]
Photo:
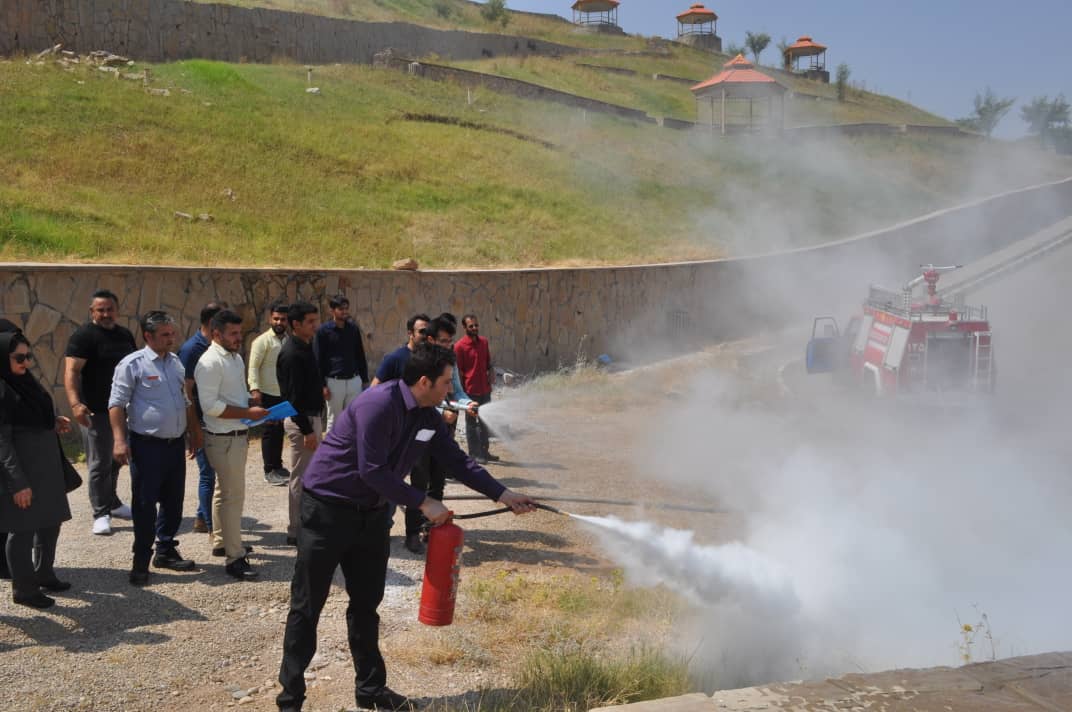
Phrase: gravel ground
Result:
[200,640]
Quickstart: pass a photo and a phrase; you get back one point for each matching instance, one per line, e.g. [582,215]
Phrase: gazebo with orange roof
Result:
[697,27]
[739,80]
[816,54]
[598,14]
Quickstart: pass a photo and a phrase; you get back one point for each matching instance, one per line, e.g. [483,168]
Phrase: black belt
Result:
[230,434]
[344,378]
[166,441]
[346,503]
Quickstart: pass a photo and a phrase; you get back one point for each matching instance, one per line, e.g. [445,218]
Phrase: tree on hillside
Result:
[733,49]
[989,111]
[783,45]
[1046,118]
[842,81]
[495,11]
[756,43]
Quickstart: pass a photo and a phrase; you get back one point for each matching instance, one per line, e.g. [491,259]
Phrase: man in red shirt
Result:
[477,374]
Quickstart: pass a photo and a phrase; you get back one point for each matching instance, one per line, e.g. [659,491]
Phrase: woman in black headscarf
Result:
[33,497]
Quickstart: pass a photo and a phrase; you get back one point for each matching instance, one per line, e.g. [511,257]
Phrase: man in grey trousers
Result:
[93,352]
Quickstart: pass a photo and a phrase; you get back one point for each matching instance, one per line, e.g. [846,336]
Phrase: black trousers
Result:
[430,478]
[272,437]
[157,476]
[336,534]
[476,432]
[30,556]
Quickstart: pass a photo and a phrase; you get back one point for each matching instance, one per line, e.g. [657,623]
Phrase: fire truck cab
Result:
[898,345]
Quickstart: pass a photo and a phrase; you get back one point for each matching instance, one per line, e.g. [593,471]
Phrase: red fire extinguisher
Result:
[442,568]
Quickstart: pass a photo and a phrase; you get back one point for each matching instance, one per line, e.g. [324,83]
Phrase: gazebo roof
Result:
[595,5]
[697,14]
[804,47]
[739,77]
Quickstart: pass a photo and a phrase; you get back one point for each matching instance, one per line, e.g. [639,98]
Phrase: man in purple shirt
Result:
[357,472]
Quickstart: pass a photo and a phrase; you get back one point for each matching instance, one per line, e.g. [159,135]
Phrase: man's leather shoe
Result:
[220,551]
[200,525]
[491,458]
[292,541]
[241,570]
[414,544]
[385,699]
[56,586]
[37,600]
[139,577]
[172,560]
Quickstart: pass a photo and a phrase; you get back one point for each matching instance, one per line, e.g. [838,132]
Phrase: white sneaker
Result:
[122,512]
[102,525]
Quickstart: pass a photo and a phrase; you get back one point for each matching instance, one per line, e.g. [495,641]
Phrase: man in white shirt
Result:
[221,388]
[264,390]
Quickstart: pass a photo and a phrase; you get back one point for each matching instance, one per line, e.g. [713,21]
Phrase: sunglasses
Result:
[22,358]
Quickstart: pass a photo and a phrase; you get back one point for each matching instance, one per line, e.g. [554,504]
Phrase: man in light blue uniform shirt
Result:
[150,415]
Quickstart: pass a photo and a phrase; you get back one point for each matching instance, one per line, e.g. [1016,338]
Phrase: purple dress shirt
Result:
[375,441]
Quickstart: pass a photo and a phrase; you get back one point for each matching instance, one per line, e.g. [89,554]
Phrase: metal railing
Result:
[899,303]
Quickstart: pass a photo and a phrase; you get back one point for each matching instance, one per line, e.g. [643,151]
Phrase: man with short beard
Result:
[478,375]
[92,354]
[301,384]
[264,390]
[221,389]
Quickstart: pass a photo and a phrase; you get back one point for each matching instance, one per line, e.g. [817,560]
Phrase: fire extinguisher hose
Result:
[504,510]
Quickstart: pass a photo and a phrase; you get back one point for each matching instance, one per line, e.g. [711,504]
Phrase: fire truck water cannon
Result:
[897,345]
[930,276]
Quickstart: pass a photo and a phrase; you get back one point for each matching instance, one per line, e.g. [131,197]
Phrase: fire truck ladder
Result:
[983,366]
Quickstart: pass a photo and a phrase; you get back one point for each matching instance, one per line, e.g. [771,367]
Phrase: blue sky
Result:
[935,53]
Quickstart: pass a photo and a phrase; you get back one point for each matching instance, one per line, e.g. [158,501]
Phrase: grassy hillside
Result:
[95,169]
[449,14]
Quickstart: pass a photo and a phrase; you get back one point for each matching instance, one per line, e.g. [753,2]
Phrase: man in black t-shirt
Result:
[92,355]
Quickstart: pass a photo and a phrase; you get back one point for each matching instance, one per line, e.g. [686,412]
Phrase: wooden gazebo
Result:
[739,81]
[697,26]
[596,13]
[814,53]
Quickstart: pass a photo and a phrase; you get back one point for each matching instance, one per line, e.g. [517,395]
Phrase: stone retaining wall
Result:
[170,30]
[506,85]
[540,319]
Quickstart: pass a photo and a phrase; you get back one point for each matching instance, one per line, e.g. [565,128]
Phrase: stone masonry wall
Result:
[540,319]
[170,30]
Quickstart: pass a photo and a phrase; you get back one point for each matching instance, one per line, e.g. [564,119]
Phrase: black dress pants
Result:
[476,431]
[272,437]
[333,534]
[30,556]
[420,477]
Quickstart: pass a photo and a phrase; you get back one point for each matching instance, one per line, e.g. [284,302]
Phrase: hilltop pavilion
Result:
[697,26]
[739,81]
[599,15]
[814,53]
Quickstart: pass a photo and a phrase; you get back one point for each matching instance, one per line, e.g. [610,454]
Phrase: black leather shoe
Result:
[414,544]
[385,699]
[292,541]
[139,577]
[220,551]
[172,560]
[491,458]
[37,600]
[241,570]
[56,586]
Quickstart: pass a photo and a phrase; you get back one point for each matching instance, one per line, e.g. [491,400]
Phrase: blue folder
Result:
[276,412]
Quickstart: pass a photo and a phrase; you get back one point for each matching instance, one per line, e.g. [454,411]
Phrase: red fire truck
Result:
[899,345]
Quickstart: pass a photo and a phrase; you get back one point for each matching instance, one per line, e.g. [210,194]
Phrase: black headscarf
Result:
[34,403]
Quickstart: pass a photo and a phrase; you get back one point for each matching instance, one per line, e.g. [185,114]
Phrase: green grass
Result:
[95,169]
